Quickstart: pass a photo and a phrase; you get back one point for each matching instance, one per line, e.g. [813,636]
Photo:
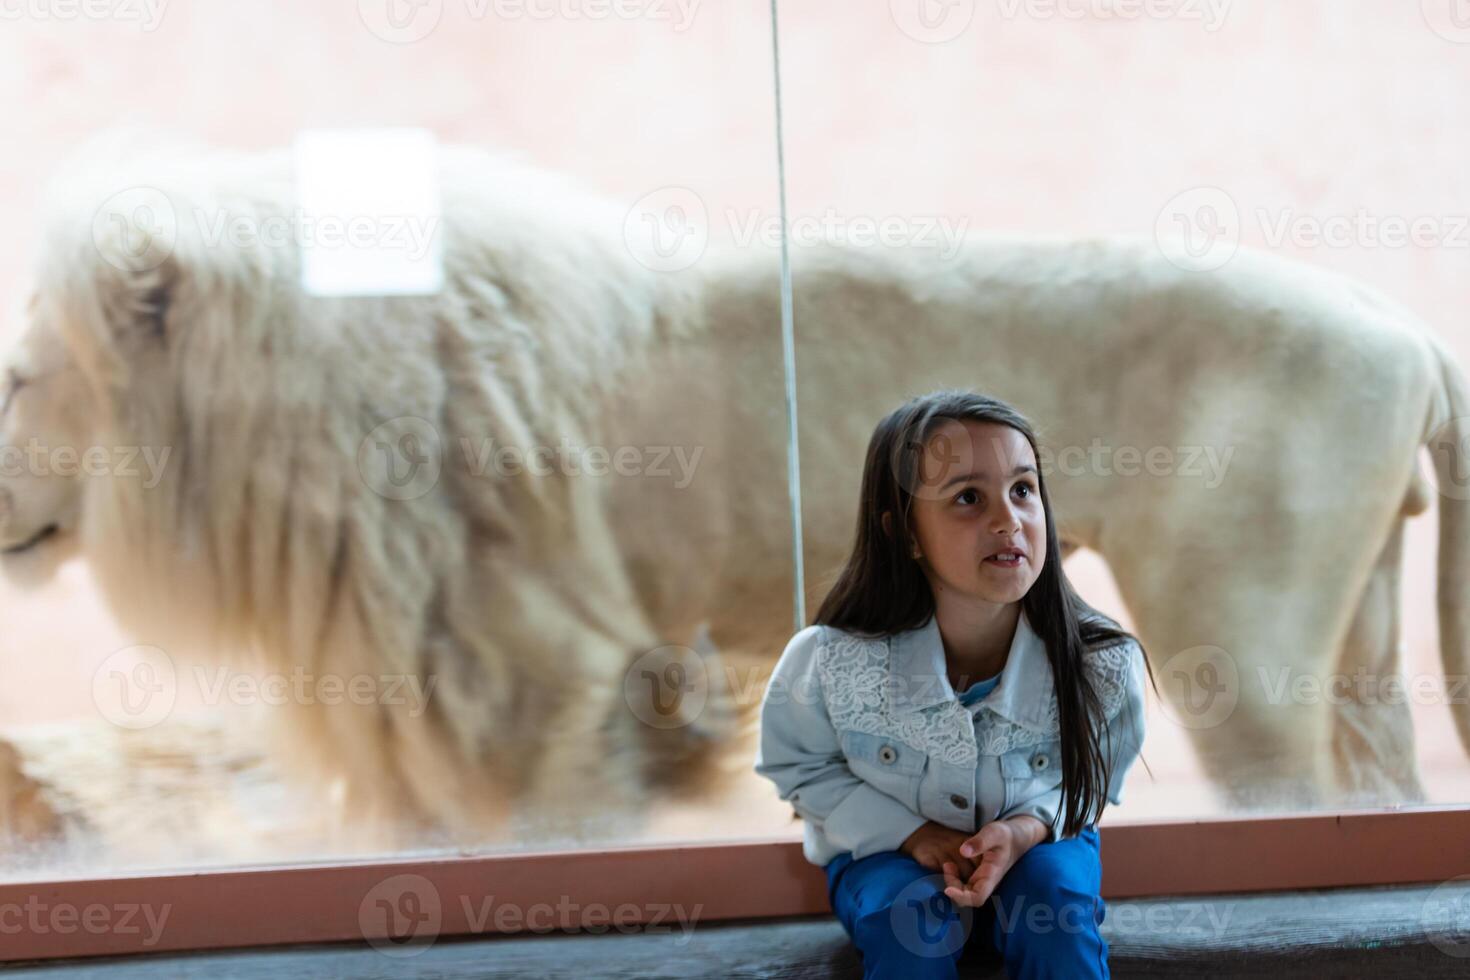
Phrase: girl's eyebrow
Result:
[979,474]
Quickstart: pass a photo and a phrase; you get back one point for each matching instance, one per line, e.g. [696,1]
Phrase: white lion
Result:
[550,608]
[271,540]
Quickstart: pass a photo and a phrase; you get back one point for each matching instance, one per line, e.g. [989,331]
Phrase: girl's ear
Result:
[888,530]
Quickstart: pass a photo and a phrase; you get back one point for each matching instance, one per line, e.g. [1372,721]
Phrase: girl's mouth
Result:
[1004,561]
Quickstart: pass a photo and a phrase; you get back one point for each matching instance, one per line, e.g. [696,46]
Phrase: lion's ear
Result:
[146,319]
[130,271]
[135,234]
[109,277]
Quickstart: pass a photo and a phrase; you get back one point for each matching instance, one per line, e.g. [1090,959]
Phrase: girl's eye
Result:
[1024,489]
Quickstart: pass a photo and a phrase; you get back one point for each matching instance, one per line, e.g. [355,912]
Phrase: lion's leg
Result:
[649,724]
[1236,627]
[580,791]
[26,815]
[1255,749]
[1373,731]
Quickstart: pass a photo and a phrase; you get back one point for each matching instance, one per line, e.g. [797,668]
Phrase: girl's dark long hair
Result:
[882,589]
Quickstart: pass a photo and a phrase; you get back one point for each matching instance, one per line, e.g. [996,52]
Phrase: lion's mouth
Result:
[35,539]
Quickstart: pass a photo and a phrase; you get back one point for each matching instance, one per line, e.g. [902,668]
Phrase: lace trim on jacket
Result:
[854,671]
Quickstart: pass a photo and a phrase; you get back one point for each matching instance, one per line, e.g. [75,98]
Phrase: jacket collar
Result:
[918,678]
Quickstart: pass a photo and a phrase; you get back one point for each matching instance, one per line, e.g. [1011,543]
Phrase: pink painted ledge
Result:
[621,887]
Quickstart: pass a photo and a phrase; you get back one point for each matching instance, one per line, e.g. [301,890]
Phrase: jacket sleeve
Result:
[1121,743]
[799,751]
[1043,807]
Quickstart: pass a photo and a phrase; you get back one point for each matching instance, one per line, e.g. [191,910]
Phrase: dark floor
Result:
[1388,932]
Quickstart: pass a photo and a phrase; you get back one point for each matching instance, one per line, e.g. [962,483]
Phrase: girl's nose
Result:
[1004,520]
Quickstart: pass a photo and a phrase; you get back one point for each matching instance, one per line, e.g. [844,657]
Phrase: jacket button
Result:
[959,801]
[1041,762]
[887,755]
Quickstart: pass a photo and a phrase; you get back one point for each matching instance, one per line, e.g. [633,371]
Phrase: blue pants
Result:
[1042,920]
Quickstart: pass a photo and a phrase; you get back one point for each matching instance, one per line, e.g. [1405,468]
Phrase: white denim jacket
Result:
[865,738]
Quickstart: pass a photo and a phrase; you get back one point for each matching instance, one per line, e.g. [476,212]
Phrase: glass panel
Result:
[406,491]
[1200,245]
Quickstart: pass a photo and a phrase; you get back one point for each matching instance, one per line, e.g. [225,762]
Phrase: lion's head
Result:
[44,414]
[158,406]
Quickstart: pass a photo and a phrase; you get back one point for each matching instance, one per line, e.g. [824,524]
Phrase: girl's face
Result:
[978,498]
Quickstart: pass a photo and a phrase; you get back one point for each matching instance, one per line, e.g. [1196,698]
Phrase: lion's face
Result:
[44,440]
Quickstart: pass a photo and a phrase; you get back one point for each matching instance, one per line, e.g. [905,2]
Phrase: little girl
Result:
[922,803]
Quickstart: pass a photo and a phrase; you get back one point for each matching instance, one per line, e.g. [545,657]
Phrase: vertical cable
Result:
[788,342]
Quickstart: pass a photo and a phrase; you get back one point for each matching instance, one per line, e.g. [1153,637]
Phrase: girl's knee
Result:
[1052,893]
[878,879]
[1074,862]
[1046,922]
[1048,915]
[917,923]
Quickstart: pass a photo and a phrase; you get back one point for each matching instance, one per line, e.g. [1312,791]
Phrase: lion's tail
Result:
[1448,441]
